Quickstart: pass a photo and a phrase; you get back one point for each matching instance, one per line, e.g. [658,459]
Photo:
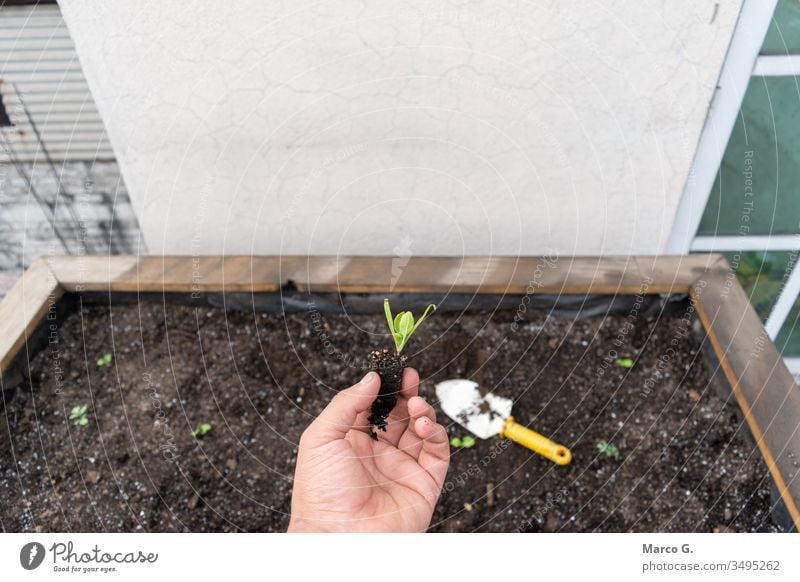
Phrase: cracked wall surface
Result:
[446,128]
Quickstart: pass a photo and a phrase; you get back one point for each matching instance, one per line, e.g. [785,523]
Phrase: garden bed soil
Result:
[686,461]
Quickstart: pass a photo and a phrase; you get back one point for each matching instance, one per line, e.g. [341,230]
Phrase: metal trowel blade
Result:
[483,416]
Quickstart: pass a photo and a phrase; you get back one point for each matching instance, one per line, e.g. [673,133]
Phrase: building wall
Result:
[429,127]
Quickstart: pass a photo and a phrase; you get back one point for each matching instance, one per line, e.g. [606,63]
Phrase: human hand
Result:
[346,481]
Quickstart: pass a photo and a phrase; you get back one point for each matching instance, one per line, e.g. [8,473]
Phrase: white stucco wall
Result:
[403,127]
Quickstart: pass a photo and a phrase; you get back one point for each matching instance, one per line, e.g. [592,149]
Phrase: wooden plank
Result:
[167,274]
[91,273]
[24,308]
[516,275]
[764,388]
[675,274]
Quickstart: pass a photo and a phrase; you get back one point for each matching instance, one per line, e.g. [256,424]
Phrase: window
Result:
[783,36]
[752,215]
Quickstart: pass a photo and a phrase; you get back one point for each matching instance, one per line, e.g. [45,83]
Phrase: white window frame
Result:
[777,66]
[748,36]
[741,64]
[793,364]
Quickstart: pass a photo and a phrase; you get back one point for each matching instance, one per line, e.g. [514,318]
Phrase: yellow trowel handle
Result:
[532,440]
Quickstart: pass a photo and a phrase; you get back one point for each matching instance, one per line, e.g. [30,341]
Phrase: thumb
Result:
[340,415]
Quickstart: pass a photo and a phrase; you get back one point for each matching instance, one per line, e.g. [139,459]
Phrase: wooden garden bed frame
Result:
[764,389]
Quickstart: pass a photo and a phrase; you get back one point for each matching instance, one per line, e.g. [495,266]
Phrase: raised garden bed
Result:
[690,458]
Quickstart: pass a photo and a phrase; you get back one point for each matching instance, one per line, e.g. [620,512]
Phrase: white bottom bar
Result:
[464,557]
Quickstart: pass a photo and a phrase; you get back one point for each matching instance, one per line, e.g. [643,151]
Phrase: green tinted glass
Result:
[763,275]
[788,340]
[756,190]
[783,35]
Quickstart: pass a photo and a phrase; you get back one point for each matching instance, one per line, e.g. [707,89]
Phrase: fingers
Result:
[435,454]
[342,412]
[418,407]
[410,442]
[433,448]
[410,384]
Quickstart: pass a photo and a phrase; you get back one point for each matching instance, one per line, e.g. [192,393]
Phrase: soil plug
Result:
[390,365]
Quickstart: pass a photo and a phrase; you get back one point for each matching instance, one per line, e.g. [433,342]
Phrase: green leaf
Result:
[388,311]
[202,430]
[406,324]
[428,309]
[398,339]
[83,421]
[77,412]
[624,362]
[402,326]
[463,443]
[608,449]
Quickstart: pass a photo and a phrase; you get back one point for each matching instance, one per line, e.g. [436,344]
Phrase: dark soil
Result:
[389,367]
[686,462]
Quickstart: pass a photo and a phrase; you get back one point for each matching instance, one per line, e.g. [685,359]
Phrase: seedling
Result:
[624,362]
[105,360]
[390,366]
[202,430]
[79,415]
[463,443]
[608,449]
[403,325]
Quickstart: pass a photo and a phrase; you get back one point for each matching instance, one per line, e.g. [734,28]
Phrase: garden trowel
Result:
[490,415]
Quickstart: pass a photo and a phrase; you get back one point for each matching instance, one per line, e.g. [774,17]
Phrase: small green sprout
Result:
[202,430]
[624,362]
[608,449]
[105,360]
[402,326]
[78,415]
[463,443]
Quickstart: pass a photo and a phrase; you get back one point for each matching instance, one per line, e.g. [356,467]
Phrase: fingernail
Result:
[368,378]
